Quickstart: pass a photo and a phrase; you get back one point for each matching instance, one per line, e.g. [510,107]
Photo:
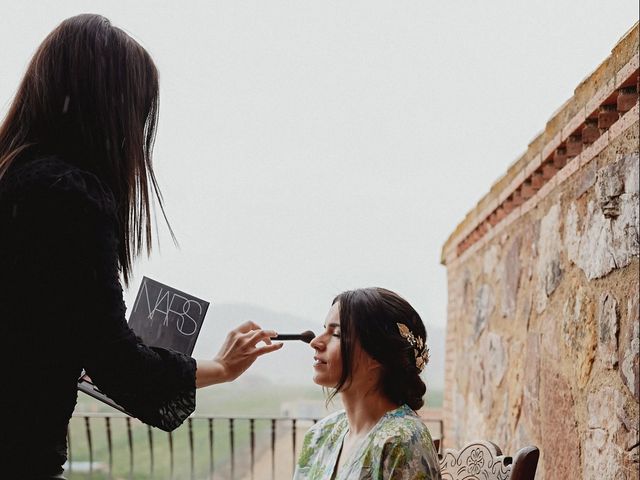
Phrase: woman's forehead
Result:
[333,317]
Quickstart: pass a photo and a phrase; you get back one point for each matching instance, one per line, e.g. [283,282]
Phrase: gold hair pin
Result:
[419,348]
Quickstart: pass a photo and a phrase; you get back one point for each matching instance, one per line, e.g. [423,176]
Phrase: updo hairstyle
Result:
[371,316]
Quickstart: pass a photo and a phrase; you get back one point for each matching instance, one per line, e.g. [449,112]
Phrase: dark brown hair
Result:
[90,95]
[370,316]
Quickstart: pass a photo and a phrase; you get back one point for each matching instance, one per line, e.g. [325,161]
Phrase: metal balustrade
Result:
[115,446]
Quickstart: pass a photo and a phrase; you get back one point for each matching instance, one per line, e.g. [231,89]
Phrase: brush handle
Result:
[306,336]
[288,336]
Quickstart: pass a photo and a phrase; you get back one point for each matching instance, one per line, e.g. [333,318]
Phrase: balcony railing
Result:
[115,446]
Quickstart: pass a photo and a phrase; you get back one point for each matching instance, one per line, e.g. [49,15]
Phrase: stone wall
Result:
[543,285]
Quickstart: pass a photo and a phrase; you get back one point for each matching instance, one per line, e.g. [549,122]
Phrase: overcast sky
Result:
[305,148]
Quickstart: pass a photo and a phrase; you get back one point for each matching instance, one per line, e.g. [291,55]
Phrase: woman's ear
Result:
[373,364]
[369,364]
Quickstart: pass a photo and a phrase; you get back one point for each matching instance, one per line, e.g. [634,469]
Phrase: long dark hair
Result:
[90,95]
[370,316]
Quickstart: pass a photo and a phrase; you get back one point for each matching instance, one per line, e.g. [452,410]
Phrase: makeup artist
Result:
[76,188]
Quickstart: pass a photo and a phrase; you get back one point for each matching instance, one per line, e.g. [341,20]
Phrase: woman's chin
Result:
[318,380]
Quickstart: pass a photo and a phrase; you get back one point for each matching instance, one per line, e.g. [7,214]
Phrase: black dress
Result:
[62,310]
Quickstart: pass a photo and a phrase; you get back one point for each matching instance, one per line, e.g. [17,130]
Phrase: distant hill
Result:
[293,364]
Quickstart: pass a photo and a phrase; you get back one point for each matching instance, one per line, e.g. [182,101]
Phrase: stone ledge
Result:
[603,97]
[625,122]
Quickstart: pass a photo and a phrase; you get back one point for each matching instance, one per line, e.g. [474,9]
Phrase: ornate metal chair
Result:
[483,460]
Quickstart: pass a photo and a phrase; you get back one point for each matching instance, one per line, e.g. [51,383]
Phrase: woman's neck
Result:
[364,411]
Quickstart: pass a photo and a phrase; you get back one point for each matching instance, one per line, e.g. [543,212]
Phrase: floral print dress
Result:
[398,447]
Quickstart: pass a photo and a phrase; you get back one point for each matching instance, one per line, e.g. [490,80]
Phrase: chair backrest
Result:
[436,444]
[483,460]
[525,462]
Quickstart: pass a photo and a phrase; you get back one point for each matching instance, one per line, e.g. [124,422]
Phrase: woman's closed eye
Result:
[333,329]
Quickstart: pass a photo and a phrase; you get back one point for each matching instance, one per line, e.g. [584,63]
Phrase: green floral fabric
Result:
[398,447]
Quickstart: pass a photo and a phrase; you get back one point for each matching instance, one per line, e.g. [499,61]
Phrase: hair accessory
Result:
[419,348]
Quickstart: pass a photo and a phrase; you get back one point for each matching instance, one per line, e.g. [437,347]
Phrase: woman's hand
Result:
[239,350]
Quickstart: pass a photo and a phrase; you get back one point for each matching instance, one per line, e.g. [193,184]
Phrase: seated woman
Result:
[371,352]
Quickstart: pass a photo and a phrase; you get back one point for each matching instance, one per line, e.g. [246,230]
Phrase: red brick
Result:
[517,198]
[548,170]
[627,98]
[573,145]
[508,205]
[607,116]
[537,179]
[559,158]
[560,162]
[590,132]
[527,191]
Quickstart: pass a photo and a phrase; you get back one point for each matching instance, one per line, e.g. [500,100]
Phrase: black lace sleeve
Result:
[77,215]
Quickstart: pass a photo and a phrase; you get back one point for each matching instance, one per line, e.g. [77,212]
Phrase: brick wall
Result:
[542,333]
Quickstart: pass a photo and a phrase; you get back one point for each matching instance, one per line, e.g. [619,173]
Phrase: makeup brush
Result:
[304,336]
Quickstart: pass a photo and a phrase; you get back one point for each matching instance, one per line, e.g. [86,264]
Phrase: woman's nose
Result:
[316,343]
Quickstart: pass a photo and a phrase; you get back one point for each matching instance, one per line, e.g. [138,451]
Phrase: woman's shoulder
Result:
[403,425]
[322,435]
[403,446]
[327,429]
[330,421]
[51,176]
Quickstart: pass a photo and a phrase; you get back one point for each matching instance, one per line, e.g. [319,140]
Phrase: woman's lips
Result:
[318,362]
